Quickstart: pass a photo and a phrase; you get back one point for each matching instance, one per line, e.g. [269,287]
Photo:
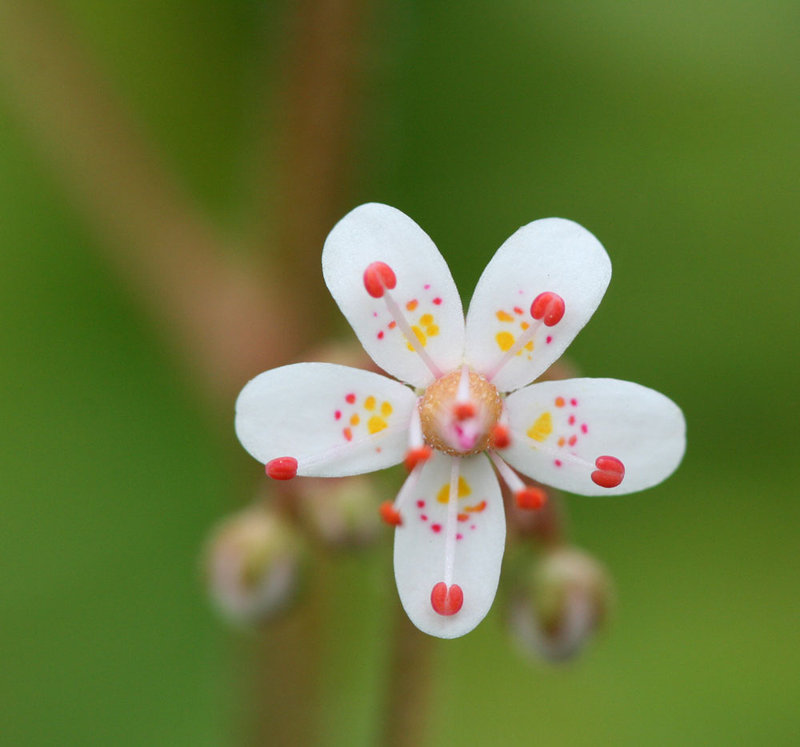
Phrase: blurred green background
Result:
[669,130]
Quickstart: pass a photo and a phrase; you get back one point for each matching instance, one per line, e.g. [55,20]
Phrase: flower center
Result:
[458,412]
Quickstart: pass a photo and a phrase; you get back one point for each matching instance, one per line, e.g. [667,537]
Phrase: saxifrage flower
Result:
[467,407]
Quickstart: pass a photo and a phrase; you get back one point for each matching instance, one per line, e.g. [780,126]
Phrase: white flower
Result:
[469,397]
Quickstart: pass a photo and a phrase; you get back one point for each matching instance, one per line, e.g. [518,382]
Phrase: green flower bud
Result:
[561,600]
[253,565]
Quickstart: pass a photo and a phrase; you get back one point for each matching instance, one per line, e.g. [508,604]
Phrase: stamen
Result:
[451,523]
[282,468]
[446,600]
[377,277]
[549,307]
[609,472]
[501,437]
[420,455]
[390,514]
[526,496]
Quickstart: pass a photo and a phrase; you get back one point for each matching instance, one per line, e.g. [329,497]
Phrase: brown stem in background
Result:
[406,710]
[227,318]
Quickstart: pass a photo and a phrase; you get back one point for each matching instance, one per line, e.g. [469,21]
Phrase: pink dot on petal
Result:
[574,402]
[420,504]
[472,526]
[557,462]
[380,335]
[436,527]
[549,339]
[337,414]
[426,286]
[571,420]
[459,536]
[424,517]
[584,428]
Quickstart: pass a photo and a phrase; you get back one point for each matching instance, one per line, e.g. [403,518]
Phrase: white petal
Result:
[551,254]
[477,538]
[334,420]
[425,291]
[559,429]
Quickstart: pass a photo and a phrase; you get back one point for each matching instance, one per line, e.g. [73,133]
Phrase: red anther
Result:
[282,468]
[390,514]
[609,472]
[530,498]
[548,306]
[501,437]
[377,277]
[446,600]
[464,410]
[417,456]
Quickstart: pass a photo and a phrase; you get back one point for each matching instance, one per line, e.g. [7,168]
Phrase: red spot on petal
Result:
[518,310]
[417,456]
[609,472]
[572,440]
[424,517]
[377,277]
[549,339]
[584,428]
[348,434]
[380,335]
[500,437]
[437,301]
[436,527]
[477,508]
[390,514]
[557,462]
[459,536]
[574,402]
[446,600]
[351,398]
[463,517]
[420,504]
[412,304]
[560,402]
[337,414]
[282,468]
[549,307]
[571,420]
[392,324]
[464,410]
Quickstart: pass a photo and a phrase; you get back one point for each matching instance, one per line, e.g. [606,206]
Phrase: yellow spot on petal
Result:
[504,316]
[432,330]
[420,336]
[426,319]
[375,424]
[386,409]
[443,496]
[529,345]
[355,420]
[542,428]
[369,403]
[524,325]
[505,340]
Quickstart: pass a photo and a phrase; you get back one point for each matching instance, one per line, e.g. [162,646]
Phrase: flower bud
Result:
[341,512]
[561,600]
[253,565]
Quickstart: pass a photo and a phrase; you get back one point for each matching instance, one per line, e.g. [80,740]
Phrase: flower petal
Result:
[471,533]
[560,428]
[334,420]
[549,256]
[425,292]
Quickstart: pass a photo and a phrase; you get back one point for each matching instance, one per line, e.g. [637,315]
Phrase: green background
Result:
[669,130]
